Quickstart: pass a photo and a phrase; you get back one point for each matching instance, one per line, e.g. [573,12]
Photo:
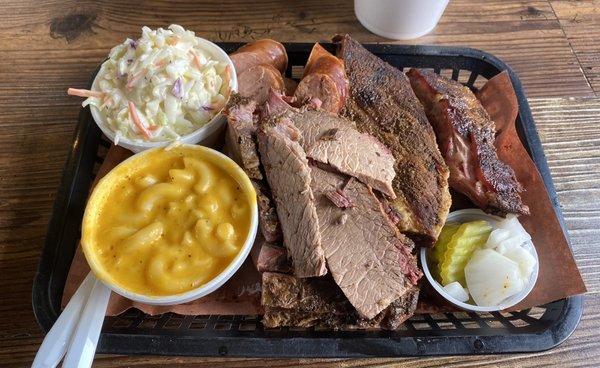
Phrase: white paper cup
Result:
[399,19]
[473,214]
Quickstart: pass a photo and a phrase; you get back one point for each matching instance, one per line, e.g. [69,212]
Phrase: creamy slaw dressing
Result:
[161,86]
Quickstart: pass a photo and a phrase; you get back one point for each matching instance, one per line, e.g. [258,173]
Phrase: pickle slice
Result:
[468,237]
[442,242]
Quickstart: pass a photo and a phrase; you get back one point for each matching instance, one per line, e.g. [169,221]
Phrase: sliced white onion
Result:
[509,244]
[524,259]
[508,235]
[492,277]
[455,290]
[512,224]
[496,237]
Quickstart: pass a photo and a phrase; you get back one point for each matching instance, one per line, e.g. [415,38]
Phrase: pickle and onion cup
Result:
[467,215]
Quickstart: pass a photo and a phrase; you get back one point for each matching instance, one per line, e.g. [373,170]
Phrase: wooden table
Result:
[47,46]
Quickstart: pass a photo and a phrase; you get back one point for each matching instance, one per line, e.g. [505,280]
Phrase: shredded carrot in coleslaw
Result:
[196,59]
[161,63]
[137,122]
[107,101]
[84,93]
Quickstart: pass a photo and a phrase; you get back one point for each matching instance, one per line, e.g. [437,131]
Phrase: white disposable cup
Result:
[399,19]
[473,214]
[207,135]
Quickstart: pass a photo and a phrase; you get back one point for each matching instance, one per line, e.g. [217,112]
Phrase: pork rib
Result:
[465,134]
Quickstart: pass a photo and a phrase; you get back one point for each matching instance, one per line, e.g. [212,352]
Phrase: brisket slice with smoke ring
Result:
[289,177]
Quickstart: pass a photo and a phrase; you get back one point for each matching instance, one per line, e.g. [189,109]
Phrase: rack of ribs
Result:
[465,134]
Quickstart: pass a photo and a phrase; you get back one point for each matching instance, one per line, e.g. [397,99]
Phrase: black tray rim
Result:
[557,333]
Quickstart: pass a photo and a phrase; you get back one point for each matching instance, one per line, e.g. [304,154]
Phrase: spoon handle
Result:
[55,343]
[82,347]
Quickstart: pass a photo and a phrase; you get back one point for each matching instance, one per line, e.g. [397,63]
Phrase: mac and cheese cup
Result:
[170,225]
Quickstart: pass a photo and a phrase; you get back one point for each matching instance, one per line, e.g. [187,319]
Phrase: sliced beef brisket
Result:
[270,257]
[240,137]
[356,154]
[289,301]
[368,258]
[334,140]
[289,178]
[268,222]
[382,103]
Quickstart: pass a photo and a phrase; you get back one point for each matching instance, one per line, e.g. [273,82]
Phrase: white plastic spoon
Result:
[55,343]
[82,348]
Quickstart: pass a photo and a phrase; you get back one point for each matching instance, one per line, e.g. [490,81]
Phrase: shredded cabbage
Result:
[175,85]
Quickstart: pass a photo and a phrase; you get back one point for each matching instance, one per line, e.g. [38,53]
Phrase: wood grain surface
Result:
[47,46]
[580,21]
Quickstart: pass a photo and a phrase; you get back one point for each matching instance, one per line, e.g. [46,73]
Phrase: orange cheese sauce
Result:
[167,223]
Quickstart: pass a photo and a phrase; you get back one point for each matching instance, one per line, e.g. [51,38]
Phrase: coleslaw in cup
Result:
[168,85]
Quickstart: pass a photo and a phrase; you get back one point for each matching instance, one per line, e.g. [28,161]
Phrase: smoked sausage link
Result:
[324,78]
[265,51]
[256,82]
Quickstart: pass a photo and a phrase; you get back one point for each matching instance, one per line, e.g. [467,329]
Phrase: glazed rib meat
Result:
[289,177]
[465,134]
[382,103]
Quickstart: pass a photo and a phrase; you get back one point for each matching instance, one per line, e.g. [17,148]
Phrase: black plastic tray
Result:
[134,332]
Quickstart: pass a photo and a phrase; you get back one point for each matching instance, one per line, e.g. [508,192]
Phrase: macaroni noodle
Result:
[167,224]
